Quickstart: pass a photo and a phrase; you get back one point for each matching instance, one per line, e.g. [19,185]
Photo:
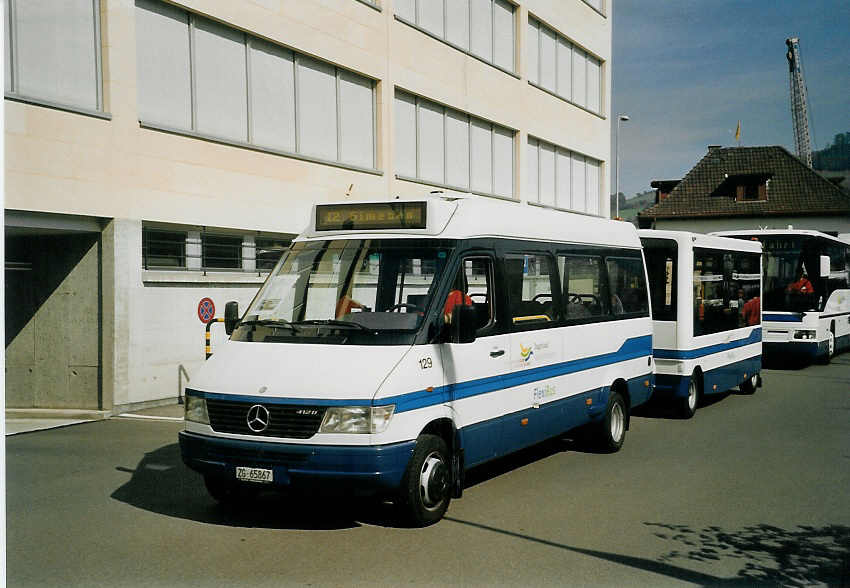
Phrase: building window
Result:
[268,251]
[206,78]
[597,5]
[483,28]
[163,249]
[446,147]
[52,53]
[221,251]
[557,65]
[561,178]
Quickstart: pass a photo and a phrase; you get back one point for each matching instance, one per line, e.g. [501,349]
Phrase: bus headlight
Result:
[196,410]
[805,334]
[357,419]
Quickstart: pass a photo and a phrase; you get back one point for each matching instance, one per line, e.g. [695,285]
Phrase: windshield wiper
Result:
[334,323]
[272,323]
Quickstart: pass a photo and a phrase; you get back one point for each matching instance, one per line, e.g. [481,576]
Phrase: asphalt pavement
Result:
[752,489]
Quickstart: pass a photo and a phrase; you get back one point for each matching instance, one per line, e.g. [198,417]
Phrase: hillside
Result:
[630,207]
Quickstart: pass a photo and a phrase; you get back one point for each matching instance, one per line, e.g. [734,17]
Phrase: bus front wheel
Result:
[426,486]
[749,385]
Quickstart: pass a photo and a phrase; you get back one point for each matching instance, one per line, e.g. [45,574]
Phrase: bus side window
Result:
[627,286]
[582,286]
[529,281]
[473,286]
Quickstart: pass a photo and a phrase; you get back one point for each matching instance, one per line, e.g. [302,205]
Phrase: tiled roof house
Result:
[750,187]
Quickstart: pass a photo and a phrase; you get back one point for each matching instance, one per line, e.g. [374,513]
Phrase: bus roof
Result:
[712,240]
[478,216]
[780,232]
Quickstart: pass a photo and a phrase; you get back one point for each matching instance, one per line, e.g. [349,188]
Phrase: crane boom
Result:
[799,102]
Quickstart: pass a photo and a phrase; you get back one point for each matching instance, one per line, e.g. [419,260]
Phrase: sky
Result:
[686,71]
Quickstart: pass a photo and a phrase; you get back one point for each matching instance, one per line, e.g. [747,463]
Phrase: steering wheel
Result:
[575,299]
[406,305]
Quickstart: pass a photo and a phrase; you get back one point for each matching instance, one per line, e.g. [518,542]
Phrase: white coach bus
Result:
[397,344]
[707,334]
[806,308]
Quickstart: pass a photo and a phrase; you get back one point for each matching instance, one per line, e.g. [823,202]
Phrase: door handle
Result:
[497,353]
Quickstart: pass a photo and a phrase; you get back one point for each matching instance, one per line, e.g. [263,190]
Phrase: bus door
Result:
[536,347]
[474,372]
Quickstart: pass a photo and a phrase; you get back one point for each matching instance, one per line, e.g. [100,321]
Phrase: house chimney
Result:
[713,147]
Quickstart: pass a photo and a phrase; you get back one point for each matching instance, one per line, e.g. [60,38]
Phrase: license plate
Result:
[254,475]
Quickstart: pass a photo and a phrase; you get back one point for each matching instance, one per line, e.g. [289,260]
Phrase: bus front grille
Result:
[284,420]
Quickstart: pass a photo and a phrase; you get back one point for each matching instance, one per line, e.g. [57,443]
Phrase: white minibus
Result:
[397,344]
[806,309]
[705,293]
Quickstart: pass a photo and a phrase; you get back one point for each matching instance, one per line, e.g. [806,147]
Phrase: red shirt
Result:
[751,311]
[454,298]
[803,286]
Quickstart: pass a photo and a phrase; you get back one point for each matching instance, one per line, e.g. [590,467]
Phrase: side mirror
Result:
[824,266]
[464,319]
[231,316]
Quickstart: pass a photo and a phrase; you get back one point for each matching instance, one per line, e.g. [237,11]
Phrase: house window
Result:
[52,53]
[163,249]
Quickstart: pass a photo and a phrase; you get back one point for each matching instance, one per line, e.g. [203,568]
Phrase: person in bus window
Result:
[752,311]
[802,285]
[457,296]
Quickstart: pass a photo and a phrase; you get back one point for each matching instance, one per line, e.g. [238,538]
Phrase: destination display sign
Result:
[371,216]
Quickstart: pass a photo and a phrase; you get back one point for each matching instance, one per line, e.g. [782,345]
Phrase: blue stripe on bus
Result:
[631,349]
[783,318]
[754,337]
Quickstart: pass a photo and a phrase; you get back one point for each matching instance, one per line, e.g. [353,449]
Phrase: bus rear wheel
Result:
[425,490]
[749,385]
[687,405]
[611,432]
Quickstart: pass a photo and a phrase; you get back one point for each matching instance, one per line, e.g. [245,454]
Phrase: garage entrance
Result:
[53,311]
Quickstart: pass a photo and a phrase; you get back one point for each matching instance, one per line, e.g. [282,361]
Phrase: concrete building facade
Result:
[160,152]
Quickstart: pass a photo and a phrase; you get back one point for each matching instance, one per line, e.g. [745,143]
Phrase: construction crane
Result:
[799,102]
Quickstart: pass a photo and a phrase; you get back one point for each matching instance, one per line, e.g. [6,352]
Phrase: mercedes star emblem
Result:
[258,418]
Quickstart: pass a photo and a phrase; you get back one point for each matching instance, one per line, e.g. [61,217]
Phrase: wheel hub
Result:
[433,481]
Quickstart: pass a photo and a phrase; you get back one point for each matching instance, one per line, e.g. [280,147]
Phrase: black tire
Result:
[830,348]
[749,385]
[686,407]
[611,431]
[425,490]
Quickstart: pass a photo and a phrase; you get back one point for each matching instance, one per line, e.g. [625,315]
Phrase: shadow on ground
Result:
[770,555]
[161,483]
[664,408]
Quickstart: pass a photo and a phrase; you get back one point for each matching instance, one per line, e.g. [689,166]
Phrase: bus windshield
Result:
[790,281]
[357,288]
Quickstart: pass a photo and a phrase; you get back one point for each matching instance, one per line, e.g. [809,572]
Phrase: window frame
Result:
[11,40]
[494,129]
[621,254]
[561,151]
[444,39]
[537,82]
[603,288]
[248,142]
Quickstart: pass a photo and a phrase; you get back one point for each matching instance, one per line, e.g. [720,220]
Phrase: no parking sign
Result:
[206,310]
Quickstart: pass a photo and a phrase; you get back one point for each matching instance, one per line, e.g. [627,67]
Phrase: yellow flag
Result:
[738,132]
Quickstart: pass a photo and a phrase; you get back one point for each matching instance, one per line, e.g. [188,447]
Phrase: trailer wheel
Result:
[830,347]
[425,490]
[687,406]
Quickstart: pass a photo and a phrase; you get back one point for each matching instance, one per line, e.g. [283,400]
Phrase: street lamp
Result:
[624,118]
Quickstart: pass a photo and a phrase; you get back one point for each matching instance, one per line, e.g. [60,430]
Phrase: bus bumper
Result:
[801,349]
[329,469]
